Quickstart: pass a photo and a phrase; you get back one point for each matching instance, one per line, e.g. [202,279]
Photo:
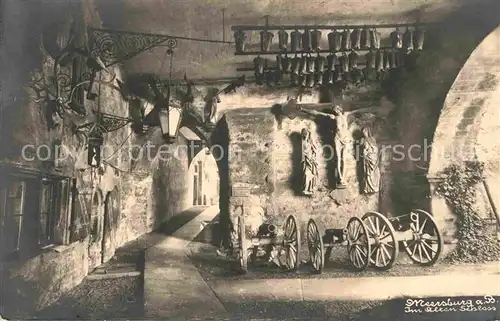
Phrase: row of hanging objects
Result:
[357,39]
[308,70]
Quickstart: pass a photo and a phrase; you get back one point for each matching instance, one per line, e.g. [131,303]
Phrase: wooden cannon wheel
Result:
[358,245]
[242,243]
[427,244]
[315,245]
[291,243]
[384,246]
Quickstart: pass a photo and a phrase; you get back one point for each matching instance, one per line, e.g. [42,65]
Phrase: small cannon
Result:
[374,240]
[354,236]
[268,238]
[417,232]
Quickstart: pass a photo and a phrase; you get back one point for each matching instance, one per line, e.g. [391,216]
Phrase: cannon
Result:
[267,239]
[354,236]
[416,231]
[374,240]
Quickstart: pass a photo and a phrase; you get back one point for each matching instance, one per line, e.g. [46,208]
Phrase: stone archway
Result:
[203,179]
[469,124]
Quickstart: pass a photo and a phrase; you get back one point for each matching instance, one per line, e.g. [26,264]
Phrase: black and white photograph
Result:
[250,160]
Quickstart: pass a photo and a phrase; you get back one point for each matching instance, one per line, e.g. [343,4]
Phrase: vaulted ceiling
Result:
[204,19]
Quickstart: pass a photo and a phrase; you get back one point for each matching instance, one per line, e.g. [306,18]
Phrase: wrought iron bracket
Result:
[106,123]
[114,46]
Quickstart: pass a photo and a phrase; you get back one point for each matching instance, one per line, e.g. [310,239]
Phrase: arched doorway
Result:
[204,181]
[96,218]
[110,224]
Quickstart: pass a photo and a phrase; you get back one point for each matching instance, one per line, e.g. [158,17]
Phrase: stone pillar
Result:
[442,212]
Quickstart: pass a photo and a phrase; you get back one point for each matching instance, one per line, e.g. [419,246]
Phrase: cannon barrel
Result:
[271,228]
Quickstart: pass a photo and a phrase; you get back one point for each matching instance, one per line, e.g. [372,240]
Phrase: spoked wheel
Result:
[383,241]
[358,245]
[427,244]
[242,241]
[291,242]
[315,244]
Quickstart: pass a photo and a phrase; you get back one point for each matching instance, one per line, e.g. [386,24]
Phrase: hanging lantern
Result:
[170,120]
[286,65]
[375,37]
[311,61]
[266,39]
[379,60]
[353,60]
[396,39]
[346,40]
[283,40]
[331,61]
[344,63]
[356,39]
[334,41]
[306,40]
[315,39]
[240,38]
[418,39]
[408,40]
[295,65]
[366,42]
[95,143]
[370,60]
[295,41]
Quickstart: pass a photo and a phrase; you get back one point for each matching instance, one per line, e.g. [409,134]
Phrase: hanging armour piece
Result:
[335,41]
[295,41]
[311,61]
[356,39]
[400,59]
[310,80]
[408,40]
[379,60]
[320,64]
[258,63]
[366,42]
[294,79]
[286,64]
[266,39]
[331,61]
[295,62]
[370,60]
[418,39]
[392,59]
[306,40]
[283,40]
[240,38]
[315,39]
[344,63]
[387,65]
[279,63]
[303,65]
[396,40]
[303,80]
[318,79]
[375,39]
[353,60]
[346,40]
[329,77]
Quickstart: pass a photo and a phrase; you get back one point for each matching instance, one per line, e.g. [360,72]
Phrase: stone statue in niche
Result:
[370,163]
[308,162]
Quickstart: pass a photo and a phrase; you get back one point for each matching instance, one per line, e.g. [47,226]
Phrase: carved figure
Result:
[308,162]
[342,137]
[370,162]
